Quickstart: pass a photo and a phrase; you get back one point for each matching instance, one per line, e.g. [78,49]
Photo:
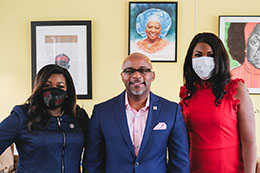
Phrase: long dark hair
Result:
[220,76]
[37,113]
[236,41]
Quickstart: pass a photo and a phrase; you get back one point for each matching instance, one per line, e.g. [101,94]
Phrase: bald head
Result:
[137,76]
[134,58]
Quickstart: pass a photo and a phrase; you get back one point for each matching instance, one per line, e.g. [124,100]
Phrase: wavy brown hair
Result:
[38,116]
[220,75]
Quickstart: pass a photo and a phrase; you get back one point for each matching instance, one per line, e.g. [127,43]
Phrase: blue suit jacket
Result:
[109,145]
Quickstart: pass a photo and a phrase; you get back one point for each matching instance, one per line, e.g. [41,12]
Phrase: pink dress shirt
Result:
[136,122]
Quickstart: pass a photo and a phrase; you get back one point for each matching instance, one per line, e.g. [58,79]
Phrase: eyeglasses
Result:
[130,71]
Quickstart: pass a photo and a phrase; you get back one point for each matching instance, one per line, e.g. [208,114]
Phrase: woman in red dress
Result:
[217,110]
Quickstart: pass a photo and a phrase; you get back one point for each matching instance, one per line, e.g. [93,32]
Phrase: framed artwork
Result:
[241,38]
[153,30]
[68,44]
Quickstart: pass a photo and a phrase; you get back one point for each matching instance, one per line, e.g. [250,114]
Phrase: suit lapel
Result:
[120,115]
[154,109]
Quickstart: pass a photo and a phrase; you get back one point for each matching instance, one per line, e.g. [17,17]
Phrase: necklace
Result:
[61,114]
[152,47]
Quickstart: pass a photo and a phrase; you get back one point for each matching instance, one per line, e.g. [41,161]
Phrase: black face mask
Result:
[53,97]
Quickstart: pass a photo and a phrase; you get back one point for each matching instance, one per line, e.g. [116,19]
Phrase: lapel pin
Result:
[155,108]
[72,126]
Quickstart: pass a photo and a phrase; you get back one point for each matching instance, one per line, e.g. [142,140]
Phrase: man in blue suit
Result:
[131,132]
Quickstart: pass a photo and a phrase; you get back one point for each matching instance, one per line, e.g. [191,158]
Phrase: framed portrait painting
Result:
[153,30]
[241,38]
[65,43]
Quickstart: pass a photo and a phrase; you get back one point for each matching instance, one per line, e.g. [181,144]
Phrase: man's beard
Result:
[137,93]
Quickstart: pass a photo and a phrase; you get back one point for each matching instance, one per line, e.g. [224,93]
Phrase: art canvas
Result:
[241,38]
[153,30]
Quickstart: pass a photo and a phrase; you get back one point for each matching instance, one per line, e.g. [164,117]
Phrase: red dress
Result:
[213,130]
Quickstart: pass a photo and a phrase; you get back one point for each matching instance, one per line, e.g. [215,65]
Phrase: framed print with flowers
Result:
[68,44]
[153,30]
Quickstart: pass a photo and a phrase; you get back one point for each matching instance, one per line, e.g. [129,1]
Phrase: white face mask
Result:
[203,66]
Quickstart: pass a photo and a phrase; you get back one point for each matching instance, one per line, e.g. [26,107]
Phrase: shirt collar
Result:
[146,104]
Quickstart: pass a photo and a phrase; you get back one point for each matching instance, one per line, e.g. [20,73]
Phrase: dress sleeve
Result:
[232,91]
[183,93]
[9,130]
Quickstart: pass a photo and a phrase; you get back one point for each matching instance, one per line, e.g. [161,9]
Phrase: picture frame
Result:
[153,30]
[68,44]
[241,38]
